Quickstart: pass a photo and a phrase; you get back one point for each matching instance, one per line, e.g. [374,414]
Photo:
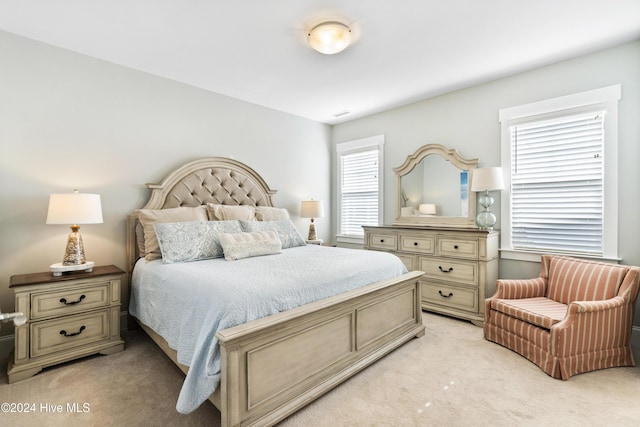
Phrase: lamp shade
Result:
[311,209]
[74,208]
[487,179]
[329,37]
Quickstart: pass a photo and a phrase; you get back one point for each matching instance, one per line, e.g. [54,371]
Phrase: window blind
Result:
[359,191]
[557,195]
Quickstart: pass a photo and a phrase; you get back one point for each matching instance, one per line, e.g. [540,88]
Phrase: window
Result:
[359,186]
[561,195]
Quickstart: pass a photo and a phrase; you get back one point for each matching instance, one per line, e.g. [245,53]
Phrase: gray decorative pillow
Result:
[289,234]
[230,212]
[192,241]
[244,245]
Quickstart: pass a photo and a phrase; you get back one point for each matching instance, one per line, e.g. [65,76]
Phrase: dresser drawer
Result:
[456,297]
[383,241]
[458,271]
[460,248]
[69,300]
[422,245]
[62,334]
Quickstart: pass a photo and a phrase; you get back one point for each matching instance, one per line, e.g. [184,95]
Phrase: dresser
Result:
[460,265]
[68,317]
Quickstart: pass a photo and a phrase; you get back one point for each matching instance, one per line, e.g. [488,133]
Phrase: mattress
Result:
[187,303]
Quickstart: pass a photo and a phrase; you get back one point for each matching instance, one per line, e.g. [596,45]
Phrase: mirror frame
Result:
[452,156]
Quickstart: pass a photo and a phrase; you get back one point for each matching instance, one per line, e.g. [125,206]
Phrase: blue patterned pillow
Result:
[192,241]
[289,234]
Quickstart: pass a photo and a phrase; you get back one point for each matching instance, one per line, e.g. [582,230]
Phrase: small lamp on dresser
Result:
[74,208]
[312,209]
[486,179]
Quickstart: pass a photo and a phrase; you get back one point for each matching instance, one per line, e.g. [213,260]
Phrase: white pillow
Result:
[266,213]
[230,212]
[244,245]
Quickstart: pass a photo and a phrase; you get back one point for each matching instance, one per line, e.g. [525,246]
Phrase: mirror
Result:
[433,189]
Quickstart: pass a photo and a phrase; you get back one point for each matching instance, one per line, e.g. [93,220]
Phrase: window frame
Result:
[350,147]
[605,98]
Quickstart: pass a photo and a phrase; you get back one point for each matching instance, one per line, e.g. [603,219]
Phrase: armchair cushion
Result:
[539,311]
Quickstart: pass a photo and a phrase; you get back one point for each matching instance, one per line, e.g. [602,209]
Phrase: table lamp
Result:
[74,208]
[486,179]
[311,209]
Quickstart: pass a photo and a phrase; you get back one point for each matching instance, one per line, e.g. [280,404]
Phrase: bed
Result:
[282,357]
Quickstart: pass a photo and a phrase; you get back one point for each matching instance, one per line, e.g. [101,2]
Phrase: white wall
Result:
[467,120]
[69,121]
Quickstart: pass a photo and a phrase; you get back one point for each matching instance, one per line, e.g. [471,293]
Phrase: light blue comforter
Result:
[188,303]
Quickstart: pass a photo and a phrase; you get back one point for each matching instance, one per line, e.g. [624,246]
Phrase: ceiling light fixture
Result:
[329,37]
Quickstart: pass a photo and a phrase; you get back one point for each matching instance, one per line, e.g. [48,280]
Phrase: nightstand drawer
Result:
[461,248]
[422,245]
[450,296]
[458,271]
[61,334]
[69,300]
[383,241]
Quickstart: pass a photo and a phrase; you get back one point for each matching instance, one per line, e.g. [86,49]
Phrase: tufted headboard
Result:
[209,180]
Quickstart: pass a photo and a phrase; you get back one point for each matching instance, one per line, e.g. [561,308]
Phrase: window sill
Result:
[353,240]
[508,253]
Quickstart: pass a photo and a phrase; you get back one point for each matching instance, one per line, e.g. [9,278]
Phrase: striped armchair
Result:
[575,317]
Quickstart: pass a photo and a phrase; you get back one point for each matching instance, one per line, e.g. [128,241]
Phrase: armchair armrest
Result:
[515,289]
[519,289]
[593,325]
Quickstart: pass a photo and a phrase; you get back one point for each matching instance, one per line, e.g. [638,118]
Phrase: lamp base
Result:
[486,220]
[59,268]
[312,231]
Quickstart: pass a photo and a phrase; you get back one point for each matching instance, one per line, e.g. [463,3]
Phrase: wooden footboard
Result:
[276,365]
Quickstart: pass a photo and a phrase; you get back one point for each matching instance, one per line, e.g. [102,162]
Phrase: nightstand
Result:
[70,316]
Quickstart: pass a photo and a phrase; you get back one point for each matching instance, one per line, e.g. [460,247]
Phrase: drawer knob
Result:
[63,332]
[64,300]
[455,246]
[445,271]
[381,240]
[415,243]
[445,296]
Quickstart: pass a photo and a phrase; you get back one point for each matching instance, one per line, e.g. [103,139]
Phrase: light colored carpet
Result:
[449,377]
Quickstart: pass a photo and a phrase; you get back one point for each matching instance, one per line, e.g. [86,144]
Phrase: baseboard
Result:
[124,320]
[635,343]
[6,347]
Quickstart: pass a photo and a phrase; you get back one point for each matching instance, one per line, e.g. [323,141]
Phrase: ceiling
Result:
[256,50]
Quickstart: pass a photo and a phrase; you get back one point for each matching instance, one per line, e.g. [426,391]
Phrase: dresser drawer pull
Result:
[455,247]
[445,296]
[63,332]
[445,271]
[64,300]
[381,240]
[415,243]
